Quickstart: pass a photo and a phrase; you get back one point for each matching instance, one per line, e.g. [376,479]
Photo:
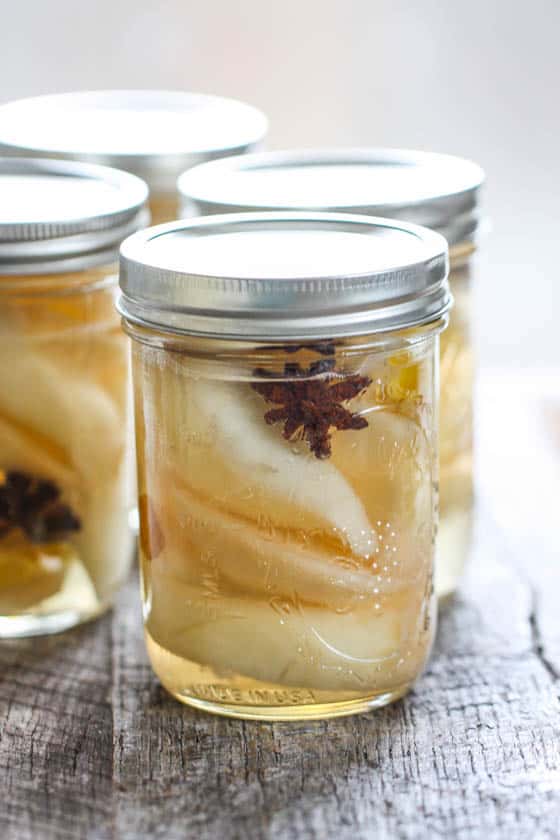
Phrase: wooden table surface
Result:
[92,747]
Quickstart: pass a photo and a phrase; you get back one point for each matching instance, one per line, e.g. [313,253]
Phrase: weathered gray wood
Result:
[56,735]
[91,746]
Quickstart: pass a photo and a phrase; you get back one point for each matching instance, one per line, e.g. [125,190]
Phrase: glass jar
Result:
[456,426]
[65,431]
[438,191]
[154,134]
[284,368]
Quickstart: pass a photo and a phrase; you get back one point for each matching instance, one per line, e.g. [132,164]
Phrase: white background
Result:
[478,78]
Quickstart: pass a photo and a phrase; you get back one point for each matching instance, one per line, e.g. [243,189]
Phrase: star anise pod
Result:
[33,505]
[310,403]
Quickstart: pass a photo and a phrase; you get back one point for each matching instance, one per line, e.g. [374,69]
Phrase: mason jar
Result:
[65,433]
[155,134]
[285,370]
[438,191]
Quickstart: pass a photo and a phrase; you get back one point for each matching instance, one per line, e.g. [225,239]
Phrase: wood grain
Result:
[56,735]
[91,746]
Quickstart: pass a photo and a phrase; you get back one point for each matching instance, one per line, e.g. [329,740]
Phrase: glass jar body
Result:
[164,207]
[456,422]
[286,563]
[65,435]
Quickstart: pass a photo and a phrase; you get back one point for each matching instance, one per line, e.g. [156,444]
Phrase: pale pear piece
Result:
[105,542]
[454,533]
[70,431]
[96,356]
[77,416]
[391,455]
[105,545]
[229,552]
[78,594]
[26,450]
[310,648]
[455,406]
[391,465]
[456,483]
[216,434]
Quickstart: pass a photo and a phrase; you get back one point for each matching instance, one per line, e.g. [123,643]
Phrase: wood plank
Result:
[56,735]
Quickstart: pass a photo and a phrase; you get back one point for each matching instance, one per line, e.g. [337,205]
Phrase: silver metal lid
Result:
[438,191]
[64,216]
[264,276]
[155,134]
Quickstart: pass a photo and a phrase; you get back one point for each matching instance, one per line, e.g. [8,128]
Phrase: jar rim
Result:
[82,126]
[401,281]
[438,191]
[62,216]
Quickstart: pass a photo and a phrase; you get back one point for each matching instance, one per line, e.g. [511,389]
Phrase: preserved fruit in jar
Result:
[65,432]
[439,191]
[288,486]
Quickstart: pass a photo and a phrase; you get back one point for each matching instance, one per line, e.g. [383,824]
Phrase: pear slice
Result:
[24,449]
[392,465]
[231,553]
[105,542]
[69,430]
[216,435]
[78,594]
[77,416]
[45,578]
[307,647]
